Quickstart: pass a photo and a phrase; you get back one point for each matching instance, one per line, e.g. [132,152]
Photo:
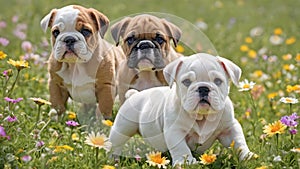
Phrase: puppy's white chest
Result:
[80,85]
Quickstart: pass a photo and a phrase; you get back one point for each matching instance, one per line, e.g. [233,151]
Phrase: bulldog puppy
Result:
[188,116]
[146,42]
[82,65]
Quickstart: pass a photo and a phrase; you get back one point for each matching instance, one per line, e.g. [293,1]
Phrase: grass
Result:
[229,24]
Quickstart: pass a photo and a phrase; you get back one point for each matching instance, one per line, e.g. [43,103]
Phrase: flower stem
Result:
[13,85]
[253,105]
[277,144]
[37,117]
[96,158]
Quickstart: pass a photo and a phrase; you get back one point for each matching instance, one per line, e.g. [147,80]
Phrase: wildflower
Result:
[19,64]
[7,73]
[39,144]
[72,123]
[244,48]
[277,159]
[256,31]
[155,159]
[248,40]
[75,137]
[262,167]
[295,88]
[296,150]
[257,91]
[293,131]
[179,48]
[290,40]
[288,67]
[26,158]
[61,148]
[13,100]
[287,57]
[26,46]
[107,123]
[2,55]
[245,85]
[278,31]
[207,159]
[290,121]
[40,101]
[297,57]
[274,128]
[137,157]
[3,133]
[289,100]
[252,54]
[71,115]
[98,140]
[11,118]
[108,167]
[276,40]
[232,144]
[4,41]
[3,24]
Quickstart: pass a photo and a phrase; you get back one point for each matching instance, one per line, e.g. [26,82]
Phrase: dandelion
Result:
[207,159]
[108,167]
[290,40]
[71,115]
[275,128]
[19,64]
[155,159]
[75,137]
[278,31]
[244,48]
[246,85]
[179,48]
[297,57]
[2,55]
[252,54]
[98,140]
[248,40]
[62,148]
[72,123]
[107,123]
[296,150]
[288,100]
[40,101]
[13,100]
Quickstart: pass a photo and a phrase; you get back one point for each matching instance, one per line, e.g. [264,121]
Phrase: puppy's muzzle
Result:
[203,94]
[70,41]
[145,44]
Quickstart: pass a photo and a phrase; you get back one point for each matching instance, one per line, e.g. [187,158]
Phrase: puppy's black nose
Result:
[145,45]
[69,40]
[203,91]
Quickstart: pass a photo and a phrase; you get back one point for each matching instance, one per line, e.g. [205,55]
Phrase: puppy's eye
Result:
[85,32]
[130,40]
[218,81]
[159,39]
[55,33]
[186,82]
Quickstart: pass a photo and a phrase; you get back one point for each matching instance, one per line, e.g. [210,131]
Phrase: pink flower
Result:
[3,41]
[3,133]
[26,46]
[72,123]
[26,158]
[11,118]
[13,100]
[39,144]
[2,24]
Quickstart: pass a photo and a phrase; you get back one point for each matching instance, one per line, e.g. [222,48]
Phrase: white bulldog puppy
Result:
[189,115]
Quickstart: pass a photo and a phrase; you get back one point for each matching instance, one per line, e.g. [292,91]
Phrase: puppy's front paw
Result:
[247,155]
[184,160]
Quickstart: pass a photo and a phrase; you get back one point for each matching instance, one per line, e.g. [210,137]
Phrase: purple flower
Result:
[72,123]
[13,100]
[3,133]
[39,144]
[11,118]
[26,158]
[2,24]
[4,41]
[290,121]
[26,46]
[293,131]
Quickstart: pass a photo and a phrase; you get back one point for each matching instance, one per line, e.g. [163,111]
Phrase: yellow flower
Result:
[287,57]
[75,137]
[274,128]
[155,159]
[248,40]
[180,48]
[40,101]
[107,123]
[61,148]
[207,159]
[71,115]
[252,54]
[98,140]
[262,167]
[297,57]
[2,55]
[278,31]
[272,95]
[232,144]
[52,160]
[290,40]
[295,88]
[108,167]
[19,64]
[258,73]
[288,67]
[244,48]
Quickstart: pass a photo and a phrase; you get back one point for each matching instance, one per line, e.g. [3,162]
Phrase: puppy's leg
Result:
[58,97]
[235,133]
[105,95]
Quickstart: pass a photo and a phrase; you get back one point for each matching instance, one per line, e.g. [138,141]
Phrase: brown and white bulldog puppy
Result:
[146,42]
[82,65]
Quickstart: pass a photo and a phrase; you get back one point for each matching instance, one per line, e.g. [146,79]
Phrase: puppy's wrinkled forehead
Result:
[65,18]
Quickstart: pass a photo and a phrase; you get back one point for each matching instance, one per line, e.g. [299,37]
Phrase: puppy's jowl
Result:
[146,42]
[195,110]
[82,65]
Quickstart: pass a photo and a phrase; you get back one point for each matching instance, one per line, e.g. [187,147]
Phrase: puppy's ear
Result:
[118,29]
[100,20]
[233,71]
[172,69]
[173,31]
[47,21]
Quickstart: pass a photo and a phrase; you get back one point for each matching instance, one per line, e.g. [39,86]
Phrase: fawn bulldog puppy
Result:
[82,65]
[146,42]
[187,116]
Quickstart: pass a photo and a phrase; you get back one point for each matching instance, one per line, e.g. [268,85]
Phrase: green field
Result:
[261,36]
